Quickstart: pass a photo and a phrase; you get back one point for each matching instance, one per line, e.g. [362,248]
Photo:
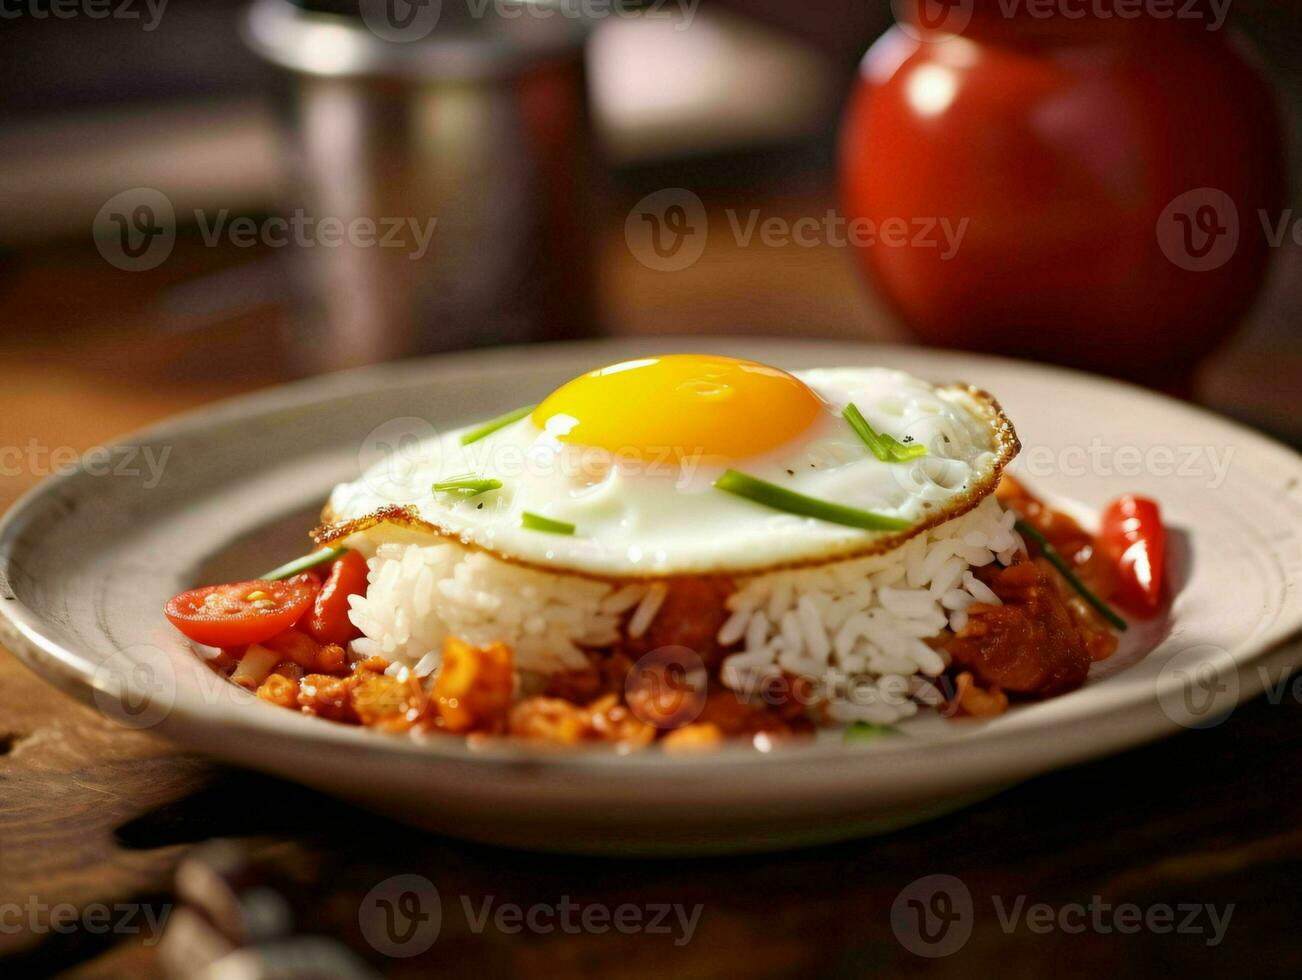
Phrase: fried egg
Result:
[614,473]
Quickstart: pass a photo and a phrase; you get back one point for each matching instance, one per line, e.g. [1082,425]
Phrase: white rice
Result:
[421,594]
[856,628]
[859,627]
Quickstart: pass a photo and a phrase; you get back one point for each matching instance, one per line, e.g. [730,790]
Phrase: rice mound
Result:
[856,627]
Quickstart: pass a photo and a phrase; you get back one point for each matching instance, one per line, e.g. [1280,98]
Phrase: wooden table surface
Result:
[1207,823]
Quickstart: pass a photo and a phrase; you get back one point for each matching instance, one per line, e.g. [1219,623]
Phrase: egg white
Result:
[652,518]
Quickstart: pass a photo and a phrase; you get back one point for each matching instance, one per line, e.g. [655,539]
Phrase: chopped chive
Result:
[1057,561]
[885,447]
[780,498]
[492,425]
[467,485]
[302,564]
[536,522]
[866,731]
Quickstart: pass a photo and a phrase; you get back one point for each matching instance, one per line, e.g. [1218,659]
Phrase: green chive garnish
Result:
[302,564]
[468,485]
[492,425]
[1057,561]
[780,498]
[886,448]
[536,522]
[866,731]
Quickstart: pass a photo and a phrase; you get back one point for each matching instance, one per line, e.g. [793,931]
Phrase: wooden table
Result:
[90,813]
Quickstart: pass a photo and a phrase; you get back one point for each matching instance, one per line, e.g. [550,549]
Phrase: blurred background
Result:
[209,197]
[202,198]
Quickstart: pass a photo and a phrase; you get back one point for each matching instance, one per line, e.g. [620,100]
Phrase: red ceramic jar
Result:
[1103,178]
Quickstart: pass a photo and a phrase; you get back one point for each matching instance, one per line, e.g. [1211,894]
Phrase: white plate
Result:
[87,560]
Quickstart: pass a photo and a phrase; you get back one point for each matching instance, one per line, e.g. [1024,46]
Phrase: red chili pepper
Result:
[327,621]
[1132,534]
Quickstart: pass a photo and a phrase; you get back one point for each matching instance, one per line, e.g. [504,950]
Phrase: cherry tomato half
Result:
[1132,534]
[327,621]
[241,613]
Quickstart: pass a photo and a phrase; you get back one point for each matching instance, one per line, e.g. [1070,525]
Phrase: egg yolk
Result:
[680,406]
